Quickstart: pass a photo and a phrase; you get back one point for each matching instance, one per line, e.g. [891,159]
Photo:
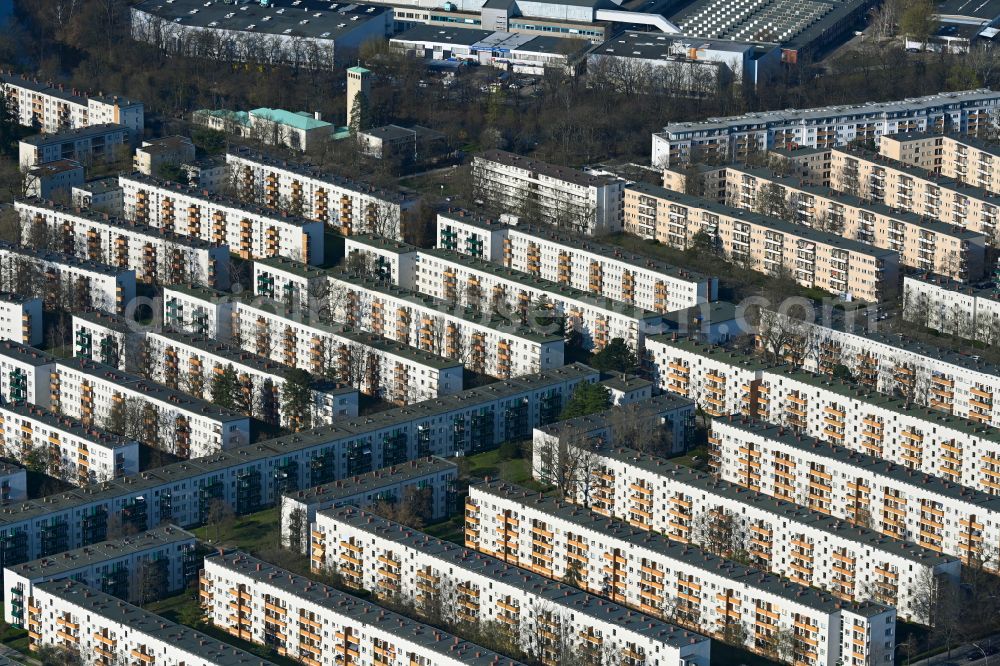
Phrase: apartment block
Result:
[92,145]
[138,568]
[24,373]
[602,270]
[385,259]
[736,137]
[155,255]
[897,365]
[75,452]
[480,284]
[13,483]
[185,425]
[21,318]
[667,414]
[250,231]
[921,243]
[89,283]
[815,258]
[851,561]
[964,158]
[904,187]
[52,108]
[103,195]
[314,623]
[901,503]
[720,381]
[107,338]
[53,180]
[199,310]
[191,361]
[970,312]
[153,155]
[659,577]
[371,553]
[380,367]
[107,630]
[344,205]
[482,341]
[297,285]
[428,482]
[562,197]
[182,493]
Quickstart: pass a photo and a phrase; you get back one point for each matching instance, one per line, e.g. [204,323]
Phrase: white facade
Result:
[372,553]
[13,484]
[292,283]
[602,270]
[198,310]
[387,260]
[52,108]
[95,284]
[952,308]
[734,137]
[104,628]
[432,476]
[560,196]
[188,426]
[53,180]
[21,319]
[316,624]
[659,577]
[481,341]
[116,567]
[249,231]
[901,503]
[344,205]
[74,452]
[156,255]
[94,145]
[852,562]
[106,338]
[470,282]
[24,373]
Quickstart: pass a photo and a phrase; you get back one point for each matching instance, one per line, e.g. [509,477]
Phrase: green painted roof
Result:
[359,70]
[300,120]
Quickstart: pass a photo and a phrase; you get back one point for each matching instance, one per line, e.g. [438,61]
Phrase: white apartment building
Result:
[94,145]
[384,259]
[153,155]
[853,562]
[249,231]
[896,365]
[296,285]
[428,481]
[13,483]
[106,630]
[482,341]
[372,553]
[902,503]
[89,283]
[21,318]
[156,255]
[480,284]
[24,373]
[816,258]
[53,180]
[182,493]
[970,312]
[162,560]
[314,623]
[107,338]
[924,244]
[344,205]
[872,176]
[380,367]
[191,361]
[104,195]
[186,426]
[602,270]
[75,452]
[648,572]
[199,310]
[964,158]
[736,137]
[52,108]
[538,191]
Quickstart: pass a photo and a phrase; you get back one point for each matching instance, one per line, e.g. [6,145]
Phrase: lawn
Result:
[251,532]
[696,458]
[728,655]
[504,463]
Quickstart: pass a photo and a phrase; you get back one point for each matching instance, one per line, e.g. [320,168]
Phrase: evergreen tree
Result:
[296,399]
[615,356]
[225,386]
[588,398]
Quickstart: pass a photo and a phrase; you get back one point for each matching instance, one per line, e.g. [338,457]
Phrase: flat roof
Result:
[986,289]
[100,186]
[660,46]
[500,572]
[575,176]
[374,480]
[693,345]
[798,230]
[115,322]
[658,404]
[65,259]
[25,354]
[347,605]
[313,19]
[145,623]
[619,381]
[69,425]
[88,132]
[635,538]
[298,119]
[282,263]
[56,166]
[72,560]
[442,34]
[60,90]
[382,243]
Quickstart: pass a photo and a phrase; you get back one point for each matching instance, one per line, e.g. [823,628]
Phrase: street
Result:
[959,654]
